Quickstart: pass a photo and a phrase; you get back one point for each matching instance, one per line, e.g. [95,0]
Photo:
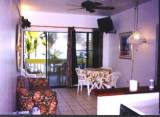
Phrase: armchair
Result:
[33,92]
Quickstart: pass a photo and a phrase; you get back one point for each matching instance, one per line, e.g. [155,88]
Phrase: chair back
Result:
[115,77]
[81,73]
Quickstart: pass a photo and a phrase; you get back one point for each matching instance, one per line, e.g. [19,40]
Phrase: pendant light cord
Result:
[135,29]
[136,17]
[132,63]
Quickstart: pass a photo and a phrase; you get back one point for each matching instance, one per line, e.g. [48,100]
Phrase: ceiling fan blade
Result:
[105,7]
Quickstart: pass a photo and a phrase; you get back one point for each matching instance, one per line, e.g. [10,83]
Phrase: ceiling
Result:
[68,6]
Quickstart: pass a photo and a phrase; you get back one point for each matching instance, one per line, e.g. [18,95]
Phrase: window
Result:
[46,53]
[84,49]
[34,52]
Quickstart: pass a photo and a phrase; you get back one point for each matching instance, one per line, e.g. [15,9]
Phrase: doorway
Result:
[56,56]
[45,54]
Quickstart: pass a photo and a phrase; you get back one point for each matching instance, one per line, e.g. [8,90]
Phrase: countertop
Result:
[121,91]
[141,103]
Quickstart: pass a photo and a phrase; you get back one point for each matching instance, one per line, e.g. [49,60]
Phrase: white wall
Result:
[8,72]
[145,54]
[141,103]
[59,19]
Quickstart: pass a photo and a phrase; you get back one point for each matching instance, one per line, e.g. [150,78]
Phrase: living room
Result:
[145,55]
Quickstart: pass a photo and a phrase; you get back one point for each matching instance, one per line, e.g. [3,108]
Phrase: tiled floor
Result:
[71,103]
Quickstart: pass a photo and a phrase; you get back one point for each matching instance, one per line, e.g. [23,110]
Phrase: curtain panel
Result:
[71,58]
[97,48]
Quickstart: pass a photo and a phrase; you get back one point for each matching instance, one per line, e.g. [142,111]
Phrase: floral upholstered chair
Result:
[36,93]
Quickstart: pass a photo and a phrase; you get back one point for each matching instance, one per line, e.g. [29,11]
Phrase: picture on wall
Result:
[125,47]
[18,46]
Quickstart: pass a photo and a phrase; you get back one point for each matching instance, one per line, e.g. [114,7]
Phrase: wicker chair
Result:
[82,81]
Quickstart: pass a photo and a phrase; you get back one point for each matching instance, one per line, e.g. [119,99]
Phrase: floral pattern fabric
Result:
[20,83]
[99,78]
[93,73]
[35,83]
[42,97]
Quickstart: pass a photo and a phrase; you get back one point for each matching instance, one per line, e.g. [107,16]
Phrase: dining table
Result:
[98,77]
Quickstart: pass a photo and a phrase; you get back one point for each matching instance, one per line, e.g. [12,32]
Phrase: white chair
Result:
[113,83]
[115,77]
[82,80]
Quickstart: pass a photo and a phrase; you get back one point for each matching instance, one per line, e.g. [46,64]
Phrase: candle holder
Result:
[133,85]
[151,84]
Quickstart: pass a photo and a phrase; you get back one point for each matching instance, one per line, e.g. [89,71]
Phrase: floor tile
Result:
[71,103]
[66,112]
[80,112]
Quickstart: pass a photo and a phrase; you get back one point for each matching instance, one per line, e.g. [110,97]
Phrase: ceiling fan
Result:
[91,6]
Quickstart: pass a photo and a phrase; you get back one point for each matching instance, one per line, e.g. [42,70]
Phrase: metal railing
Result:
[36,66]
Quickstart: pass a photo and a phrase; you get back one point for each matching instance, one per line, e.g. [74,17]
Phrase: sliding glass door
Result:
[45,54]
[56,56]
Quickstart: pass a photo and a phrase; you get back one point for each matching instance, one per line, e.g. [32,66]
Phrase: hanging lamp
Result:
[136,37]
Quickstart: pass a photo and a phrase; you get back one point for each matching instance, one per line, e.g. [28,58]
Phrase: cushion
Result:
[22,82]
[36,83]
[23,92]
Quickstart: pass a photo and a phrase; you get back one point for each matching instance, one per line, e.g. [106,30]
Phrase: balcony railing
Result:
[38,66]
[35,66]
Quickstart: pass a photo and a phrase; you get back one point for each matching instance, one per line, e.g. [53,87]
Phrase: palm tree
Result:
[35,44]
[28,47]
[31,42]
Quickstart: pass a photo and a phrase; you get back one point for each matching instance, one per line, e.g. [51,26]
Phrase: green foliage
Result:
[54,58]
[35,43]
[56,54]
[33,39]
[43,38]
[29,45]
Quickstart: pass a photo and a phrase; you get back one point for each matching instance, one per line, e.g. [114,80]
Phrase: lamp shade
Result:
[136,38]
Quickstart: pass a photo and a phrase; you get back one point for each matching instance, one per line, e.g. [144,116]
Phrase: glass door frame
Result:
[87,47]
